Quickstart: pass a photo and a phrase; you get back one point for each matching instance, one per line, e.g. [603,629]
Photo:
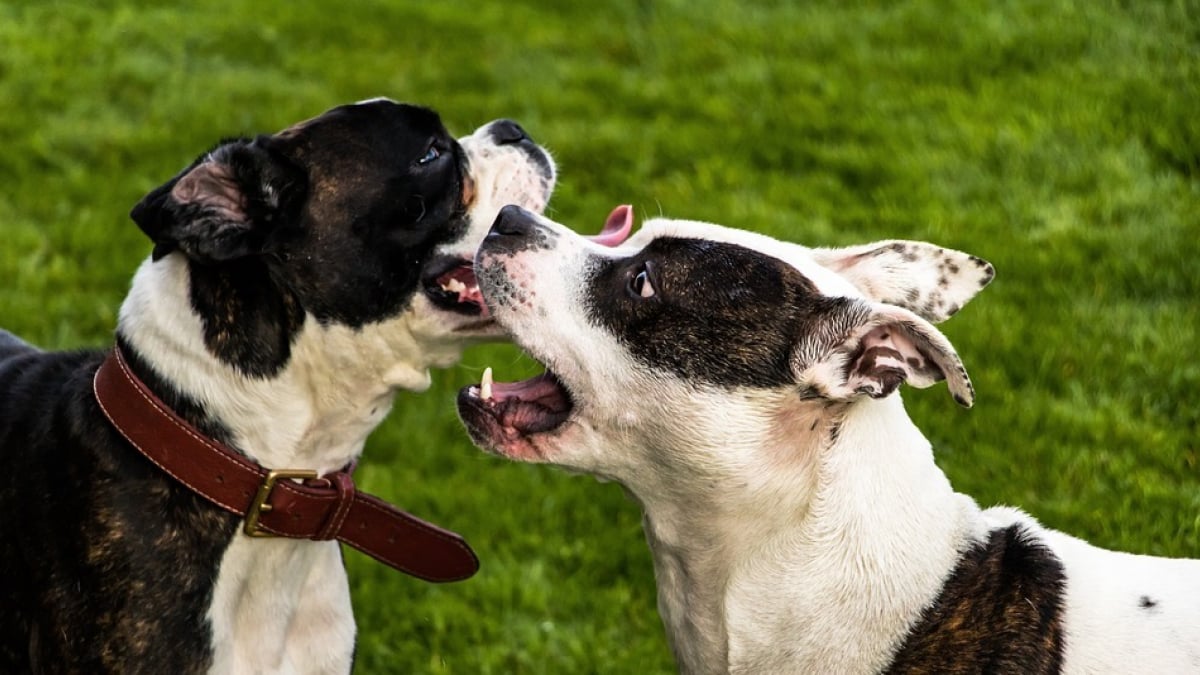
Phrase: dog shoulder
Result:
[1001,609]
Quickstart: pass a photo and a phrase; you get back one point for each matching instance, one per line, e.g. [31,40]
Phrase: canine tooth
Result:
[485,385]
[454,286]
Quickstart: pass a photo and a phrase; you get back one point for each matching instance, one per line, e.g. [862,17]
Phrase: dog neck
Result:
[316,413]
[809,549]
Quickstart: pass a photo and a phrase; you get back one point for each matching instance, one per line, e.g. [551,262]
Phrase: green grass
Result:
[1058,139]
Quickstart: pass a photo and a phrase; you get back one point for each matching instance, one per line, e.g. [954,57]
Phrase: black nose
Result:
[513,221]
[507,132]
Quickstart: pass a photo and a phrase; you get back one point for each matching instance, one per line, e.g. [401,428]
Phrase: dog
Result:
[744,391]
[297,282]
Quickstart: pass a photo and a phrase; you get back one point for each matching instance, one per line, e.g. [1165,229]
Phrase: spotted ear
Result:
[871,348]
[932,281]
[226,205]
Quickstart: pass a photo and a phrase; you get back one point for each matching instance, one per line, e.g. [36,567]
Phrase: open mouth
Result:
[503,416]
[450,284]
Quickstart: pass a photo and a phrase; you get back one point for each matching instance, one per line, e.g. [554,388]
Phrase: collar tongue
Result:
[326,508]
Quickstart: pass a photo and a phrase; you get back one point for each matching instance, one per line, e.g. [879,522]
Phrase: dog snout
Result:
[507,132]
[513,221]
[516,230]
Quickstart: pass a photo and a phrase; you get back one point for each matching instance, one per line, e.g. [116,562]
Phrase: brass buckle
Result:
[260,506]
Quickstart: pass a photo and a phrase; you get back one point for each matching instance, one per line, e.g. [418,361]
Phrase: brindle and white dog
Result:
[744,390]
[298,280]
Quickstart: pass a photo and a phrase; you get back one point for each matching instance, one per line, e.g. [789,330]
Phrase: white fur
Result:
[1106,632]
[283,606]
[779,546]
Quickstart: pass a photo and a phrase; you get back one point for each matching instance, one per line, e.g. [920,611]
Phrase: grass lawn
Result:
[1058,139]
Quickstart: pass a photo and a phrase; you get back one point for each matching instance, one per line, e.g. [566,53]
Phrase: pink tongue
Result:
[534,389]
[617,227]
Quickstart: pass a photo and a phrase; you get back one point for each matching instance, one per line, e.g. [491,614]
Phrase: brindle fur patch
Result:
[1000,611]
[86,536]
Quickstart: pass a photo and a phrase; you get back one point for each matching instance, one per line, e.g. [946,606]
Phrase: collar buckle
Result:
[260,505]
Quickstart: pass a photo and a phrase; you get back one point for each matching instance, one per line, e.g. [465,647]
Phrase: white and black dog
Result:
[744,391]
[297,281]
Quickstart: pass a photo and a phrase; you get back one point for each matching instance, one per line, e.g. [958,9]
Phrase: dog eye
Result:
[431,154]
[640,284]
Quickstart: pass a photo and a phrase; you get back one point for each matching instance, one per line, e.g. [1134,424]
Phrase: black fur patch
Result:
[341,214]
[248,320]
[1000,611]
[721,313]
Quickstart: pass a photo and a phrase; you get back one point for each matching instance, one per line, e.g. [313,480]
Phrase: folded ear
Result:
[871,348]
[224,206]
[932,281]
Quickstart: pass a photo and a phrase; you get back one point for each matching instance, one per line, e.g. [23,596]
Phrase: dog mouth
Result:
[506,416]
[450,285]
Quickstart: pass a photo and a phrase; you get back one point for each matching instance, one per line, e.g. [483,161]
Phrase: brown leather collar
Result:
[321,508]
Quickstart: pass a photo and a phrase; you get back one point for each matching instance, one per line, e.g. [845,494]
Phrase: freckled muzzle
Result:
[505,417]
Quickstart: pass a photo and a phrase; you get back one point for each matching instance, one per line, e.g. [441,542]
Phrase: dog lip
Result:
[448,271]
[515,412]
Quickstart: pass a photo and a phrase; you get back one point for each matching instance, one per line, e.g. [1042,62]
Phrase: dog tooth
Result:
[454,286]
[485,385]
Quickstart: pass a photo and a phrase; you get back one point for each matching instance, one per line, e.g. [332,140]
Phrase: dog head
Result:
[362,221]
[690,344]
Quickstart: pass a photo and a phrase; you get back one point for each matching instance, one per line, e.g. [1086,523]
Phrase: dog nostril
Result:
[507,132]
[513,221]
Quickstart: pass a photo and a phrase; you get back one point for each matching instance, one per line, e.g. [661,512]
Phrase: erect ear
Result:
[226,205]
[932,281]
[871,348]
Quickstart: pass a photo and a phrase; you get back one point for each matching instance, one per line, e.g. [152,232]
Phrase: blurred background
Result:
[1058,139]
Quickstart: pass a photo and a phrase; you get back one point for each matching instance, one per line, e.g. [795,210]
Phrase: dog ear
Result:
[932,281]
[226,205]
[871,348]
